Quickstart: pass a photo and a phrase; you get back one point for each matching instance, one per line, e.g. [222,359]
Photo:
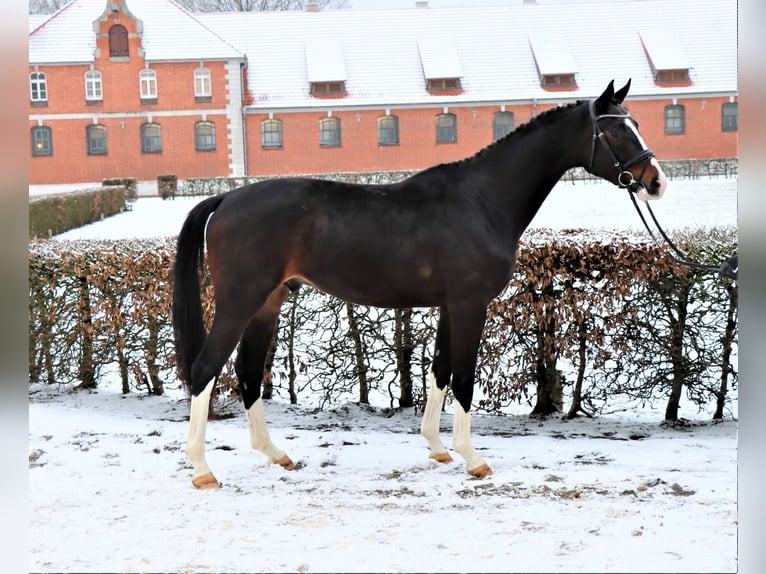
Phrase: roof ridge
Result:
[213,32]
[54,15]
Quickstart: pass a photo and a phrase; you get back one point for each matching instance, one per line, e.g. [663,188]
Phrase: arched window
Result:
[204,136]
[151,138]
[329,132]
[446,128]
[93,86]
[675,120]
[388,130]
[202,84]
[41,141]
[502,124]
[118,42]
[95,135]
[271,134]
[147,80]
[38,88]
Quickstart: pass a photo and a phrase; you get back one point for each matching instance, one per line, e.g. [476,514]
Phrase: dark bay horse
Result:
[444,237]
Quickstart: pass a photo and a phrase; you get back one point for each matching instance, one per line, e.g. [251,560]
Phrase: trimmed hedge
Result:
[54,214]
[594,311]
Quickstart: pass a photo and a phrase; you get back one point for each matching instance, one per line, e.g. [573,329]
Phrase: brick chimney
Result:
[421,4]
[312,6]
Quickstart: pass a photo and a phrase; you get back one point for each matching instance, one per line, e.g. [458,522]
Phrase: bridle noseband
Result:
[625,179]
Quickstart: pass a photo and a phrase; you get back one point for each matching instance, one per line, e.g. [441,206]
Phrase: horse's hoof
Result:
[206,481]
[482,471]
[285,463]
[442,457]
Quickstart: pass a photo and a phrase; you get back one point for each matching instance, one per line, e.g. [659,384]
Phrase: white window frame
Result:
[93,86]
[203,85]
[147,79]
[38,87]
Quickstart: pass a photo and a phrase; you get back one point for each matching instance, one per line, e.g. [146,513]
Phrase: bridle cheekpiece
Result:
[625,179]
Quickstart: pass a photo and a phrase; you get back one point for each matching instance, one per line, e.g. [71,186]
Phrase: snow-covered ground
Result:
[590,205]
[110,490]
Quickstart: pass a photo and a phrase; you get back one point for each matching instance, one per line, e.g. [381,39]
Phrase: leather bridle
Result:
[625,179]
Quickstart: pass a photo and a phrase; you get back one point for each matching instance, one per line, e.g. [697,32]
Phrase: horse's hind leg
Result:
[466,325]
[217,348]
[249,368]
[439,376]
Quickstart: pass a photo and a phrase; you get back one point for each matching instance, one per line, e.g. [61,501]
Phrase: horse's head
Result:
[617,151]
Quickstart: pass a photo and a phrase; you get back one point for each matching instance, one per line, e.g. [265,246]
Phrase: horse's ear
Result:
[603,101]
[620,94]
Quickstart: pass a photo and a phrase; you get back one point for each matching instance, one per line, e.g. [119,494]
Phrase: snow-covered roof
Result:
[551,53]
[439,58]
[169,34]
[324,60]
[664,49]
[381,50]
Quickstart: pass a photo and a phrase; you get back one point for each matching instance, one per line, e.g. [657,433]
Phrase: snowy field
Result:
[110,490]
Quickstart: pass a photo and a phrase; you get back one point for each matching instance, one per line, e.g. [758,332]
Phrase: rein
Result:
[626,180]
[729,268]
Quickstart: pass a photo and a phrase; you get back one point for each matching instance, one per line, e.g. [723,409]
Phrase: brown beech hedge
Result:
[593,316]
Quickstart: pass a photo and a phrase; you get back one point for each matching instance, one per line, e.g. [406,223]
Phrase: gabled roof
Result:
[382,50]
[169,33]
[551,53]
[382,56]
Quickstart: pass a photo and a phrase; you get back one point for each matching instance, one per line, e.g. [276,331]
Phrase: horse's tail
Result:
[188,324]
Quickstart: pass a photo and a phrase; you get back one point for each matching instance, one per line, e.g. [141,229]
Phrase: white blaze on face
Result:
[643,195]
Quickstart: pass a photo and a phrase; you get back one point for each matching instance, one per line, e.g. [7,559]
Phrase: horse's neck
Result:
[525,167]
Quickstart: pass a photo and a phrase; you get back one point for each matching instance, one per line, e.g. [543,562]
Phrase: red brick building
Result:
[138,88]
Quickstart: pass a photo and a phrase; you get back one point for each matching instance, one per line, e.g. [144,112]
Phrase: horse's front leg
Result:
[466,326]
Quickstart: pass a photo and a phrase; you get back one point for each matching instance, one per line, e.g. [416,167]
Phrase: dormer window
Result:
[555,64]
[328,88]
[441,65]
[669,62]
[325,68]
[443,85]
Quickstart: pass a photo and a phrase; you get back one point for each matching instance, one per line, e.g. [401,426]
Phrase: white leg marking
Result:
[429,427]
[461,439]
[195,444]
[259,433]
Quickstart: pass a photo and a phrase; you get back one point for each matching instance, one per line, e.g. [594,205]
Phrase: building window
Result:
[388,130]
[271,134]
[729,119]
[502,124]
[671,76]
[151,138]
[203,89]
[42,143]
[147,80]
[443,85]
[446,128]
[558,81]
[118,42]
[675,120]
[328,88]
[38,88]
[93,86]
[204,136]
[95,135]
[329,132]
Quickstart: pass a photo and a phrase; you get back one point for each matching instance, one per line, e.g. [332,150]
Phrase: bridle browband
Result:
[625,179]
